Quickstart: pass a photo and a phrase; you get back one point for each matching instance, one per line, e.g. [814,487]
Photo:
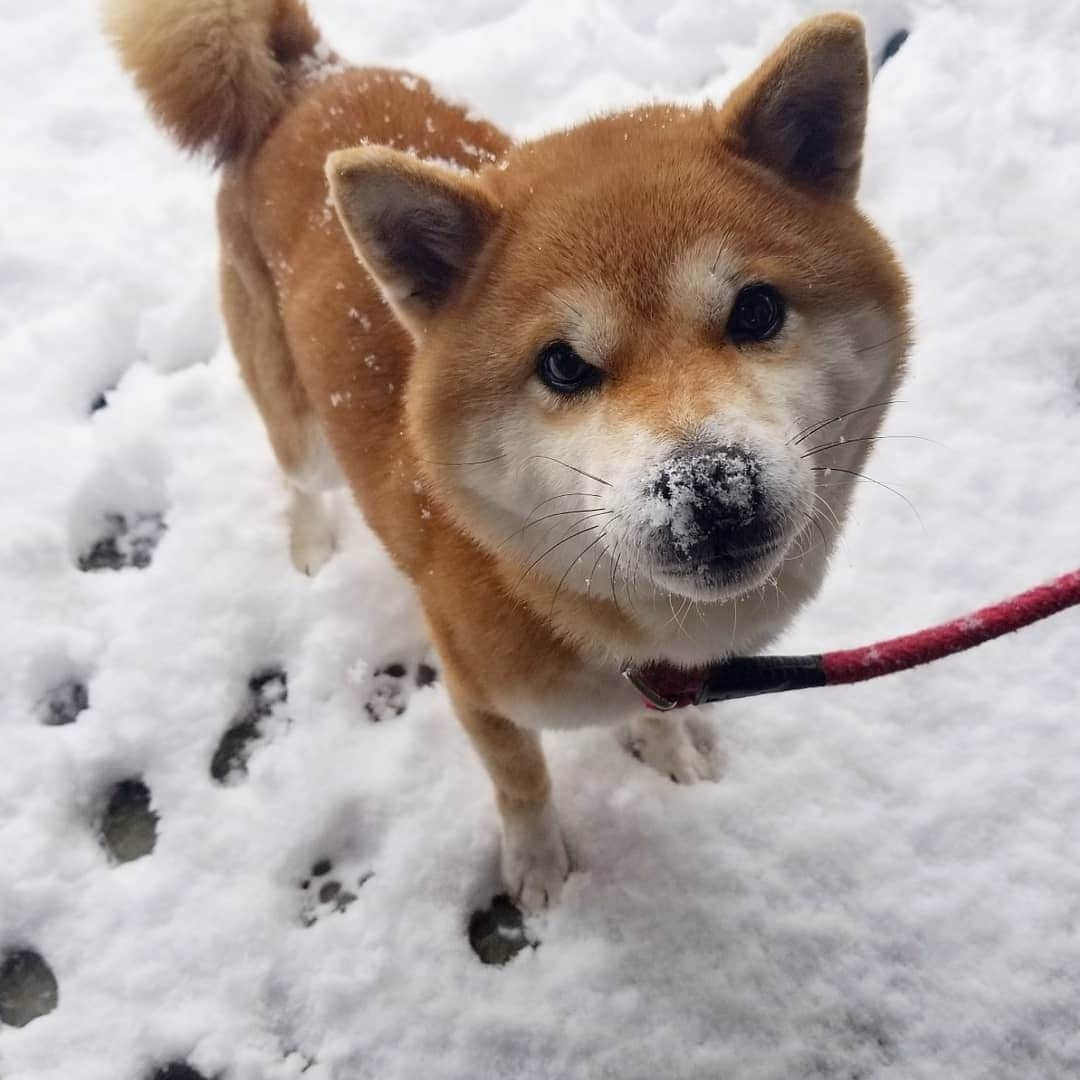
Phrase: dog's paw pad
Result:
[681,749]
[63,703]
[326,895]
[129,826]
[497,933]
[28,988]
[268,693]
[124,541]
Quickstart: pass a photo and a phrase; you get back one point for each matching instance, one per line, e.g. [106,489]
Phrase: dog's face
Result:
[625,333]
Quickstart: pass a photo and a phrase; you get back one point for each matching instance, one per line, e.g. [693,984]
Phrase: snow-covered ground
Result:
[887,881]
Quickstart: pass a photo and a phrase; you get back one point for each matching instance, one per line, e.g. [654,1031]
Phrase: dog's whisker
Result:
[865,439]
[552,530]
[674,620]
[614,575]
[781,596]
[583,514]
[684,613]
[595,566]
[564,495]
[554,547]
[833,517]
[878,483]
[678,617]
[806,549]
[629,578]
[808,431]
[573,564]
[881,344]
[456,464]
[529,521]
[574,468]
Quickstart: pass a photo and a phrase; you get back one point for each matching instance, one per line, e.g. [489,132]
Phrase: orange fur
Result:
[399,360]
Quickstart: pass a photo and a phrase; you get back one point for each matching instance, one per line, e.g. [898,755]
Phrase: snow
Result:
[885,883]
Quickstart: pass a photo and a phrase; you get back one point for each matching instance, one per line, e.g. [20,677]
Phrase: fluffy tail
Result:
[215,72]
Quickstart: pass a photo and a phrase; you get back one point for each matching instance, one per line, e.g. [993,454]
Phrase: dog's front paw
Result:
[535,862]
[679,747]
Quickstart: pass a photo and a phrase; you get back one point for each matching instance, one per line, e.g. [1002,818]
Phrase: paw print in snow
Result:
[497,933]
[177,1070]
[63,703]
[392,686]
[268,693]
[325,895]
[129,825]
[124,542]
[28,988]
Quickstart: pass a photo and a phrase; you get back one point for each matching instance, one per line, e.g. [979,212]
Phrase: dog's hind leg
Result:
[258,339]
[311,534]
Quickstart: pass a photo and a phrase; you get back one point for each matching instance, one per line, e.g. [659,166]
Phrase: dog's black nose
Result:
[716,506]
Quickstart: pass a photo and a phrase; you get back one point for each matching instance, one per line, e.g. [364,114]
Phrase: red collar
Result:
[663,686]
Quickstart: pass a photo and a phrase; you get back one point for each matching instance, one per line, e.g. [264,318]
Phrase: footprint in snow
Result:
[28,988]
[325,894]
[177,1070]
[124,541]
[63,703]
[262,711]
[392,686]
[129,826]
[497,933]
[893,45]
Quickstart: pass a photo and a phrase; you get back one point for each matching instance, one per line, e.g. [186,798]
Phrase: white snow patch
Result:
[885,882]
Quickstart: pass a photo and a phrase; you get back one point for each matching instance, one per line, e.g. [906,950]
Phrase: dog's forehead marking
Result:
[703,282]
[591,321]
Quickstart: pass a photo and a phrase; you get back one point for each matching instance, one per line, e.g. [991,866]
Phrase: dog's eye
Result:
[757,315]
[562,370]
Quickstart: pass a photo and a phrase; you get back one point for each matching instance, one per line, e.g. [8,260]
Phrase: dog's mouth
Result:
[725,572]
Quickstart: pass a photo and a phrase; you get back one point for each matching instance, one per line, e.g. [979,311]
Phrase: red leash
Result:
[666,687]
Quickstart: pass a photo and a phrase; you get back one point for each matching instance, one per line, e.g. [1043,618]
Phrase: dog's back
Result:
[253,85]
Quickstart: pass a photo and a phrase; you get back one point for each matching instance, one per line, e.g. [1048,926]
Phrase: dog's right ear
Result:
[418,228]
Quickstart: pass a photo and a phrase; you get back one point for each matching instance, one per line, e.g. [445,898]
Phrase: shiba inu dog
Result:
[603,395]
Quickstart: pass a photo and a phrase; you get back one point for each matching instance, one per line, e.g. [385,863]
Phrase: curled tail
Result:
[215,72]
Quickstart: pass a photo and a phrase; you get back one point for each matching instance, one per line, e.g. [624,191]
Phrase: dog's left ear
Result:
[418,228]
[803,112]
